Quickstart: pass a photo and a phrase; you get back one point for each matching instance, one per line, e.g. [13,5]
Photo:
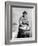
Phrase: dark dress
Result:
[21,31]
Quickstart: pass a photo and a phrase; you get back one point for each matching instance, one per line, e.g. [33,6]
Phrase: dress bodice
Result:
[25,21]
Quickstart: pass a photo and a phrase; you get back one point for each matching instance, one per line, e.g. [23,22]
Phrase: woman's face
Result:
[25,15]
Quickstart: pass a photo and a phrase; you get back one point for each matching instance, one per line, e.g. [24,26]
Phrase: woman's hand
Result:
[25,27]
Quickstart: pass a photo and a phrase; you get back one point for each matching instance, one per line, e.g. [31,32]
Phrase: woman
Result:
[23,26]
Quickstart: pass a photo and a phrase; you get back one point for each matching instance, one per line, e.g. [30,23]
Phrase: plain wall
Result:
[2,23]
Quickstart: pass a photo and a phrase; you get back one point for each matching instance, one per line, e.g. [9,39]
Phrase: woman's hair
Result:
[24,13]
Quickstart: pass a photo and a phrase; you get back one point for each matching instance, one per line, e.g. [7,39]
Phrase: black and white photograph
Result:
[21,22]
